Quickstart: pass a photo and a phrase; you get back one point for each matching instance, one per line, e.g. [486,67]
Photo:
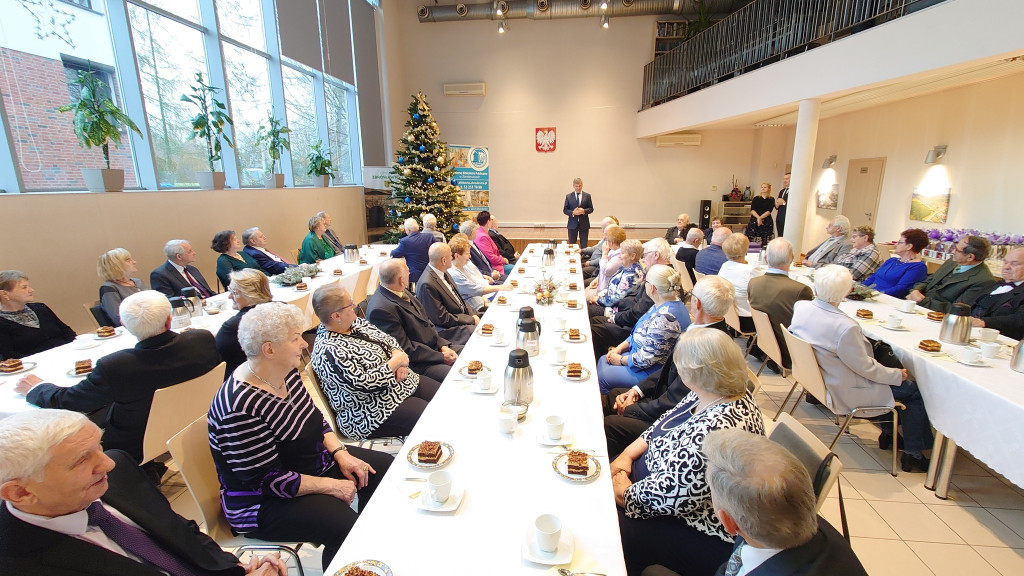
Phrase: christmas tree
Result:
[421,176]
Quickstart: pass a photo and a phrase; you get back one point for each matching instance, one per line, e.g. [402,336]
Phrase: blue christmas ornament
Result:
[430,180]
[455,227]
[455,182]
[401,160]
[408,200]
[423,148]
[415,116]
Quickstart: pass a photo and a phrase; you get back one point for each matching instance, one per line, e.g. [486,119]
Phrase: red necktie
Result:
[202,291]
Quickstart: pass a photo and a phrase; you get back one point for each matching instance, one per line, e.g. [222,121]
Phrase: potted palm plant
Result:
[208,125]
[97,123]
[318,164]
[276,139]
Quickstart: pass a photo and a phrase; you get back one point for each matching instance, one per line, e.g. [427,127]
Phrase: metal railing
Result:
[758,34]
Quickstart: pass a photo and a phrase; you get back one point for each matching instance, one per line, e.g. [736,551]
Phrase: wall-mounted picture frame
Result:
[930,204]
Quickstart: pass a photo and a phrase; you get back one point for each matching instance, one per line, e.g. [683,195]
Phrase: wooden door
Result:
[863,188]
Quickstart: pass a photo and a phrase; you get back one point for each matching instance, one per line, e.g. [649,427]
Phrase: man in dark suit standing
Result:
[413,247]
[963,278]
[578,206]
[1003,307]
[395,311]
[66,501]
[178,272]
[441,300]
[126,380]
[775,293]
[780,205]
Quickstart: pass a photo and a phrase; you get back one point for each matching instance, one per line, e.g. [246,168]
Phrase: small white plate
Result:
[25,367]
[499,343]
[578,306]
[585,375]
[900,329]
[447,452]
[480,333]
[542,438]
[464,371]
[561,467]
[301,289]
[82,375]
[117,332]
[473,388]
[505,303]
[374,566]
[928,353]
[583,338]
[455,497]
[561,555]
[979,363]
[83,344]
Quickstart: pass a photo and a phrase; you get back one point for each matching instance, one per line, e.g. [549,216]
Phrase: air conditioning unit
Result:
[468,89]
[681,139]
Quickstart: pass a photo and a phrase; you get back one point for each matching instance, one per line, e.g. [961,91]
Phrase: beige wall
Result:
[56,238]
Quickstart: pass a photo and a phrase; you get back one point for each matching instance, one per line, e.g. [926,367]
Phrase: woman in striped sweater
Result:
[284,475]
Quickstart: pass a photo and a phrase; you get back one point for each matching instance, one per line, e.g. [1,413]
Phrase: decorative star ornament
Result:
[51,20]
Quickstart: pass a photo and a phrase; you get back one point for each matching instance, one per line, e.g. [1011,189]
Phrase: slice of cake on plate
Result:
[429,452]
[577,463]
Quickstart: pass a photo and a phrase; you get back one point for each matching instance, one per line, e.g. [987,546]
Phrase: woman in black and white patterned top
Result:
[665,511]
[363,371]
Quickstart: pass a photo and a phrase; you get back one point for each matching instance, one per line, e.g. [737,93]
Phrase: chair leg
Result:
[803,394]
[783,405]
[895,436]
[763,364]
[841,430]
[753,342]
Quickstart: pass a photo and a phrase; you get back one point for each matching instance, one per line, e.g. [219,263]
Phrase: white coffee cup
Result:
[970,355]
[483,379]
[499,335]
[507,421]
[894,322]
[559,353]
[555,425]
[547,529]
[559,323]
[989,349]
[908,305]
[439,485]
[988,334]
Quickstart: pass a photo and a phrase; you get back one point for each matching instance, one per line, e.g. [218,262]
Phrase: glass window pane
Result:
[42,51]
[187,9]
[242,21]
[168,55]
[249,92]
[298,97]
[338,131]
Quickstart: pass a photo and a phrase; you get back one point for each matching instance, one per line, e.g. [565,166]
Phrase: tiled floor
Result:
[897,526]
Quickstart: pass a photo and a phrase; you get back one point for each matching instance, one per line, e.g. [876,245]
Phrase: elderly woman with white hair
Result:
[650,343]
[629,274]
[852,375]
[737,271]
[246,289]
[473,286]
[314,246]
[666,515]
[430,227]
[115,267]
[284,474]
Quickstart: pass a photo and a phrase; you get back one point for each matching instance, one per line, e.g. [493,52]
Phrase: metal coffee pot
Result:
[181,316]
[351,253]
[549,258]
[518,379]
[528,337]
[524,313]
[956,326]
[191,295]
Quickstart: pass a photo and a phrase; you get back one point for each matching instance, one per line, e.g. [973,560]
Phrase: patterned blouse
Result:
[619,285]
[262,445]
[655,335]
[354,373]
[861,261]
[675,483]
[609,265]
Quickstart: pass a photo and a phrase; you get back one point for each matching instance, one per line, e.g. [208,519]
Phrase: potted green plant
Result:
[318,164]
[276,139]
[208,125]
[97,123]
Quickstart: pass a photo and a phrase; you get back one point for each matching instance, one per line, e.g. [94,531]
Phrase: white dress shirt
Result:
[754,557]
[440,275]
[270,255]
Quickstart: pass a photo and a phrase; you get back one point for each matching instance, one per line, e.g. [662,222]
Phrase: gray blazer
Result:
[444,309]
[852,375]
[834,251]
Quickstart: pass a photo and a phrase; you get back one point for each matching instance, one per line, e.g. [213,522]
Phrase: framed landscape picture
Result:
[930,204]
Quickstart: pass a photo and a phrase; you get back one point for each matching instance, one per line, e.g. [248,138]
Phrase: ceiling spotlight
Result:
[604,22]
[935,154]
[498,10]
[604,4]
[502,27]
[829,162]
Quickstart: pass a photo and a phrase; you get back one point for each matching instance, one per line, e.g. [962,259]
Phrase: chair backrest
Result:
[732,318]
[805,366]
[753,382]
[374,282]
[684,275]
[295,255]
[884,252]
[362,283]
[810,451]
[98,314]
[698,275]
[190,449]
[766,336]
[302,303]
[175,407]
[316,392]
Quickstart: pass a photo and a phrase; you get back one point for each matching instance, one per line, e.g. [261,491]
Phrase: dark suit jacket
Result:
[27,550]
[1004,312]
[414,249]
[583,220]
[633,305]
[18,340]
[479,259]
[407,322]
[333,240]
[228,346]
[442,308]
[688,256]
[774,294]
[126,380]
[166,280]
[267,264]
[827,553]
[505,248]
[946,286]
[673,232]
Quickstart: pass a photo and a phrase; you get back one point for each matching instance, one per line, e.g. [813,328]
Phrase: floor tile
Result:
[1012,518]
[878,485]
[966,466]
[977,526]
[990,492]
[952,559]
[854,457]
[1008,561]
[915,522]
[849,492]
[888,558]
[862,519]
[915,484]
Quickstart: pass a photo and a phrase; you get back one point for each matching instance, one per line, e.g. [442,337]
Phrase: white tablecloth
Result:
[980,408]
[508,481]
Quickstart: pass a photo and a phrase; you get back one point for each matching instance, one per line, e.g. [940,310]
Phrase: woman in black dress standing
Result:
[761,227]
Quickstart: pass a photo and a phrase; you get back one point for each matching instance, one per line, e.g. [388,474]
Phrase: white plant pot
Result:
[273,181]
[210,180]
[104,180]
[322,181]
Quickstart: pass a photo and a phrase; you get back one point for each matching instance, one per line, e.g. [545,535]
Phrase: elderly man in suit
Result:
[126,380]
[413,247]
[479,259]
[709,260]
[578,206]
[775,293]
[70,509]
[329,235]
[505,248]
[256,246]
[630,411]
[837,243]
[437,292]
[852,374]
[677,234]
[401,315]
[688,249]
[178,272]
[1003,307]
[963,278]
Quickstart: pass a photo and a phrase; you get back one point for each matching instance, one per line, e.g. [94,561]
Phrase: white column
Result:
[800,197]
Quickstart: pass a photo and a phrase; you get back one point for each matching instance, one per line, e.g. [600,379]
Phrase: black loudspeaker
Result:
[705,214]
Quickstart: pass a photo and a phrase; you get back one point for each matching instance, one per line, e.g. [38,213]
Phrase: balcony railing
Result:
[758,34]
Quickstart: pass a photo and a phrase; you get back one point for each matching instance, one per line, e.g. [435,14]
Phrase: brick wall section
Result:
[39,88]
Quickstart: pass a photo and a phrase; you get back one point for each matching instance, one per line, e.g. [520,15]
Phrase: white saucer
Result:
[455,497]
[117,332]
[25,367]
[499,343]
[562,555]
[82,344]
[542,438]
[979,363]
[494,388]
[578,306]
[72,374]
[900,329]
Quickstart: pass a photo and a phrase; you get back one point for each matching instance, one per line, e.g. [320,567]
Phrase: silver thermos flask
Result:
[518,378]
[528,337]
[956,326]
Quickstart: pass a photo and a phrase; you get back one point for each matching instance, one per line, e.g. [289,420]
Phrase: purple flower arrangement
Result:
[955,234]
